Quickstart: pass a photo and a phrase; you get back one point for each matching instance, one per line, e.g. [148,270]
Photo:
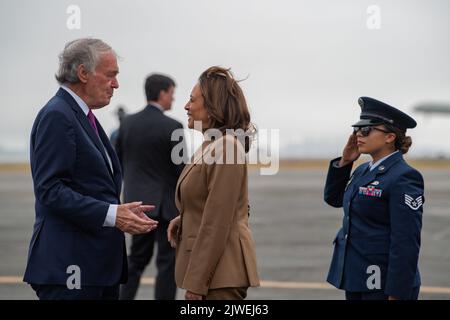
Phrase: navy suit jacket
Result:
[381,226]
[73,186]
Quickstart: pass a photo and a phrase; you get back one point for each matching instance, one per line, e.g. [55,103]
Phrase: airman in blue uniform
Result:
[376,251]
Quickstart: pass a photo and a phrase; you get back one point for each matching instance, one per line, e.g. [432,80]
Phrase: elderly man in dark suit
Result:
[151,168]
[77,250]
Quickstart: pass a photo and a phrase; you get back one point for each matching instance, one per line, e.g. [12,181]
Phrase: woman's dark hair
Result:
[225,102]
[402,141]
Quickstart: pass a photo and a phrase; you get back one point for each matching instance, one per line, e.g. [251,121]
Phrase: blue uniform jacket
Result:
[74,186]
[381,226]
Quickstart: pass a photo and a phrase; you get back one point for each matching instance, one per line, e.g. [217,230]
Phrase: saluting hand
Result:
[172,231]
[351,152]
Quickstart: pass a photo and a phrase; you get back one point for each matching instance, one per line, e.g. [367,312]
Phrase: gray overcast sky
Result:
[307,62]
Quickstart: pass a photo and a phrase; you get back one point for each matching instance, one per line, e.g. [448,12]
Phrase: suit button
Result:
[345,237]
[347,217]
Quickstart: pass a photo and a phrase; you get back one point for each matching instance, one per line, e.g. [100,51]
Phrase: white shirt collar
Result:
[157,106]
[79,101]
[374,165]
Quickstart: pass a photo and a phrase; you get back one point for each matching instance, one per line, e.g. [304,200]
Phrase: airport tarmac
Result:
[292,226]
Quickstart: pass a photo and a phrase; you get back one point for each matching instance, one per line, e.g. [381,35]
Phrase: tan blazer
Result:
[215,245]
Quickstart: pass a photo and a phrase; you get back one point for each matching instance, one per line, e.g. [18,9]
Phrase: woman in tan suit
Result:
[215,256]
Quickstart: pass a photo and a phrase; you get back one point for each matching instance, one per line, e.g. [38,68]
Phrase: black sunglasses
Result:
[365,131]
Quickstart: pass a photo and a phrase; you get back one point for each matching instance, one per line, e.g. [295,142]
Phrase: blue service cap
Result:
[374,112]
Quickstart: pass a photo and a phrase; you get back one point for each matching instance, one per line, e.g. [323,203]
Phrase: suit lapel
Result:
[197,156]
[355,183]
[384,167]
[95,139]
[83,120]
[366,178]
[117,175]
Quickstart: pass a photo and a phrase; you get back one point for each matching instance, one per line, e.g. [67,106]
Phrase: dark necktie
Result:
[91,119]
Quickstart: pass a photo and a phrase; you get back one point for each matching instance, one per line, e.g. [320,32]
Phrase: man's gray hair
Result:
[84,51]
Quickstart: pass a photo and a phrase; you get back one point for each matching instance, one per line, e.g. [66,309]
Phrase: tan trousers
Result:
[226,294]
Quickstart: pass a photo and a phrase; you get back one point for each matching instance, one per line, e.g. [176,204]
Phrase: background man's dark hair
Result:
[155,83]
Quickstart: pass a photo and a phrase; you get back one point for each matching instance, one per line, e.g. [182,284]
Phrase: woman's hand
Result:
[192,296]
[351,152]
[172,231]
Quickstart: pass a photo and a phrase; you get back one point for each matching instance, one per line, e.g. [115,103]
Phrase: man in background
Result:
[144,148]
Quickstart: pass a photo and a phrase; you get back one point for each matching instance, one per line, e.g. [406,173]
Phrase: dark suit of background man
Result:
[77,250]
[144,149]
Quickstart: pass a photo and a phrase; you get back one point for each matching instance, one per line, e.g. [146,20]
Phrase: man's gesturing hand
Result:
[131,218]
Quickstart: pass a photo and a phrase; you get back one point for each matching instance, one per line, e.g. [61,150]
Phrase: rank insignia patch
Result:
[413,203]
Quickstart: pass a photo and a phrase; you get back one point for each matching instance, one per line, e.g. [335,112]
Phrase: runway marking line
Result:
[264,284]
